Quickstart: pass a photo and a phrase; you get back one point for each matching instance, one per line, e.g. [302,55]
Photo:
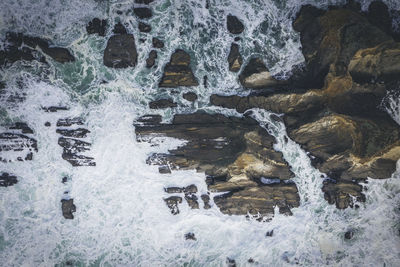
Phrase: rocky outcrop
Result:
[235,58]
[97,26]
[255,75]
[234,25]
[7,179]
[190,96]
[143,12]
[17,143]
[151,60]
[162,103]
[68,208]
[178,72]
[120,51]
[236,154]
[23,47]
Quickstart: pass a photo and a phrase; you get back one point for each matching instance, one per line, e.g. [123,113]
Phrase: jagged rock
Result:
[162,103]
[22,126]
[151,60]
[47,124]
[68,207]
[143,12]
[234,25]
[149,120]
[255,75]
[97,26]
[54,108]
[190,236]
[341,193]
[119,28]
[237,149]
[333,37]
[380,63]
[21,146]
[157,43]
[190,96]
[349,234]
[269,233]
[234,58]
[172,203]
[71,148]
[120,51]
[174,190]
[164,169]
[143,27]
[190,196]
[7,179]
[69,122]
[77,133]
[178,72]
[230,262]
[22,47]
[206,200]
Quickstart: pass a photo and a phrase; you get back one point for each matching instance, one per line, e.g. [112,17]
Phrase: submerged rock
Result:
[7,179]
[234,25]
[143,12]
[178,72]
[162,103]
[190,236]
[143,27]
[172,203]
[151,60]
[68,207]
[120,51]
[157,43]
[234,58]
[97,26]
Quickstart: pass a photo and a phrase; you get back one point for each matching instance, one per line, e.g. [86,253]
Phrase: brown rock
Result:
[234,58]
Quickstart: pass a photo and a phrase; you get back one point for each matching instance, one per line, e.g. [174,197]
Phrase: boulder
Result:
[172,203]
[143,12]
[190,96]
[7,179]
[68,208]
[97,26]
[255,75]
[157,43]
[178,72]
[162,103]
[151,60]
[342,193]
[234,25]
[120,51]
[143,27]
[235,58]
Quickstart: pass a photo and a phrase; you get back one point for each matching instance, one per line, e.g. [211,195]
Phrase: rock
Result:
[237,39]
[151,60]
[143,27]
[379,16]
[120,51]
[333,37]
[119,29]
[234,58]
[72,149]
[174,190]
[349,234]
[47,124]
[162,103]
[69,122]
[250,260]
[68,207]
[234,25]
[341,193]
[149,120]
[190,196]
[206,200]
[143,12]
[269,233]
[255,75]
[164,169]
[64,180]
[178,72]
[172,203]
[7,179]
[77,133]
[190,236]
[146,2]
[22,127]
[157,43]
[15,146]
[238,150]
[230,262]
[380,63]
[97,26]
[54,108]
[190,96]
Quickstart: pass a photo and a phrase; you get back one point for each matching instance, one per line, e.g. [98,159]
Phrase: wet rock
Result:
[174,190]
[54,108]
[235,58]
[379,16]
[380,63]
[14,146]
[205,79]
[151,60]
[178,72]
[72,149]
[172,203]
[255,75]
[206,200]
[250,260]
[349,234]
[269,233]
[190,96]
[164,169]
[143,27]
[7,179]
[149,120]
[69,122]
[341,193]
[190,196]
[64,179]
[230,262]
[157,43]
[190,236]
[234,25]
[47,124]
[77,133]
[22,126]
[162,103]
[68,207]
[143,12]
[146,2]
[119,29]
[97,26]
[120,51]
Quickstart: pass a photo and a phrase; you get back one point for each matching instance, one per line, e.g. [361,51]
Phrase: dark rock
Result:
[234,25]
[237,39]
[174,190]
[162,103]
[234,58]
[146,2]
[54,108]
[47,124]
[190,96]
[178,72]
[71,148]
[120,51]
[7,179]
[190,236]
[97,26]
[269,233]
[151,60]
[21,147]
[190,196]
[119,29]
[22,126]
[378,15]
[230,262]
[69,122]
[172,203]
[341,193]
[164,169]
[64,179]
[255,75]
[149,120]
[143,12]
[349,234]
[77,133]
[68,207]
[143,27]
[157,43]
[206,200]
[250,260]
[205,78]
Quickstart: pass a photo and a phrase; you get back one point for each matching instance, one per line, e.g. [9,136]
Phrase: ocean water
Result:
[121,218]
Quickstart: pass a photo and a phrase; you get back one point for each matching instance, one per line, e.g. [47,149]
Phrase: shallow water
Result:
[121,218]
